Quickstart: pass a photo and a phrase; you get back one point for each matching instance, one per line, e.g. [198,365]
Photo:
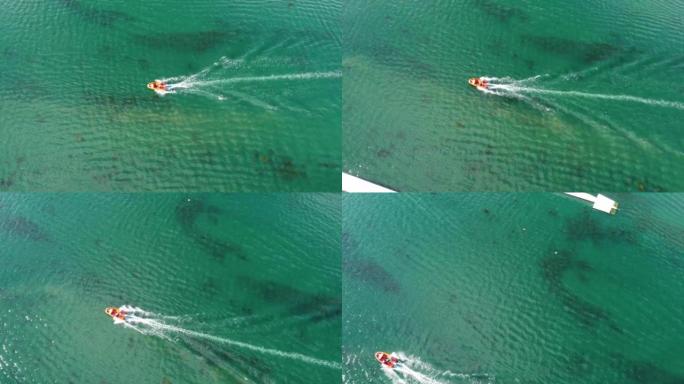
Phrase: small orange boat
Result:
[478,83]
[386,359]
[116,313]
[157,85]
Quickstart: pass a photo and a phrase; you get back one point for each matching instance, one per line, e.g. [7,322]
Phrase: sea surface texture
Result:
[254,104]
[219,288]
[585,95]
[513,288]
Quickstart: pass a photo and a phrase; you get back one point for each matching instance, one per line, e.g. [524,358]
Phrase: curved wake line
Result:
[516,88]
[158,327]
[412,369]
[636,99]
[292,76]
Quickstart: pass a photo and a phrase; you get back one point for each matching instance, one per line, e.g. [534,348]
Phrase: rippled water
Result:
[513,288]
[601,107]
[78,116]
[214,275]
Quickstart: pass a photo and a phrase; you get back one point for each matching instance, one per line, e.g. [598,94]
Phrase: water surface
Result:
[594,101]
[513,288]
[212,273]
[77,115]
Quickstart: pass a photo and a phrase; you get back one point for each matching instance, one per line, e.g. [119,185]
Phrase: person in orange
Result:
[115,313]
[156,85]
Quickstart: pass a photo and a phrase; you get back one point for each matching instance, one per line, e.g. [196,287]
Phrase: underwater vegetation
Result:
[370,272]
[366,271]
[554,268]
[97,16]
[232,365]
[585,52]
[500,12]
[317,307]
[197,42]
[21,227]
[643,372]
[187,214]
[282,166]
[588,227]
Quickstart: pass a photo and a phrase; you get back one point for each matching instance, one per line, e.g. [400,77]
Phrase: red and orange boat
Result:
[116,313]
[479,83]
[386,359]
[157,85]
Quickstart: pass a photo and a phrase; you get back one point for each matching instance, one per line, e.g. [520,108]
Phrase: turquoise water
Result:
[235,288]
[593,95]
[262,112]
[513,288]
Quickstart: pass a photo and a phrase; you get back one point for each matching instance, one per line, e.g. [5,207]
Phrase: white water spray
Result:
[412,369]
[149,323]
[209,80]
[506,86]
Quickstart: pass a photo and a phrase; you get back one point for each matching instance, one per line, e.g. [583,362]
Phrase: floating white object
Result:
[601,202]
[358,185]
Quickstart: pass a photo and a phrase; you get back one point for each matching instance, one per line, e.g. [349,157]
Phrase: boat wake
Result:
[412,370]
[506,86]
[153,324]
[211,81]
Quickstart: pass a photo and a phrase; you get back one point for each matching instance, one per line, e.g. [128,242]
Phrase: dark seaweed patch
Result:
[317,307]
[554,267]
[383,153]
[187,214]
[192,41]
[643,371]
[371,273]
[8,181]
[329,165]
[230,363]
[22,227]
[283,166]
[105,18]
[583,51]
[586,227]
[209,287]
[579,365]
[643,185]
[502,13]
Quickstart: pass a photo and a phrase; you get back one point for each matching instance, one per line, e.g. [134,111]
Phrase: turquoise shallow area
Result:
[514,288]
[77,116]
[263,270]
[604,113]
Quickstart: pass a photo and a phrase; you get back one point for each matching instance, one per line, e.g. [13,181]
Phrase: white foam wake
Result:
[506,86]
[412,369]
[208,81]
[150,323]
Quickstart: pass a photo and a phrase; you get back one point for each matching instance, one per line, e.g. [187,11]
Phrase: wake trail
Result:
[188,83]
[413,370]
[155,326]
[209,81]
[510,87]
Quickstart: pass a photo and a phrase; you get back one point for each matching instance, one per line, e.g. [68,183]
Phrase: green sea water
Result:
[262,112]
[513,288]
[593,95]
[231,288]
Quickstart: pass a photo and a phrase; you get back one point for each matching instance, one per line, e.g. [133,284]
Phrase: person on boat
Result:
[157,85]
[481,83]
[115,313]
[386,359]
